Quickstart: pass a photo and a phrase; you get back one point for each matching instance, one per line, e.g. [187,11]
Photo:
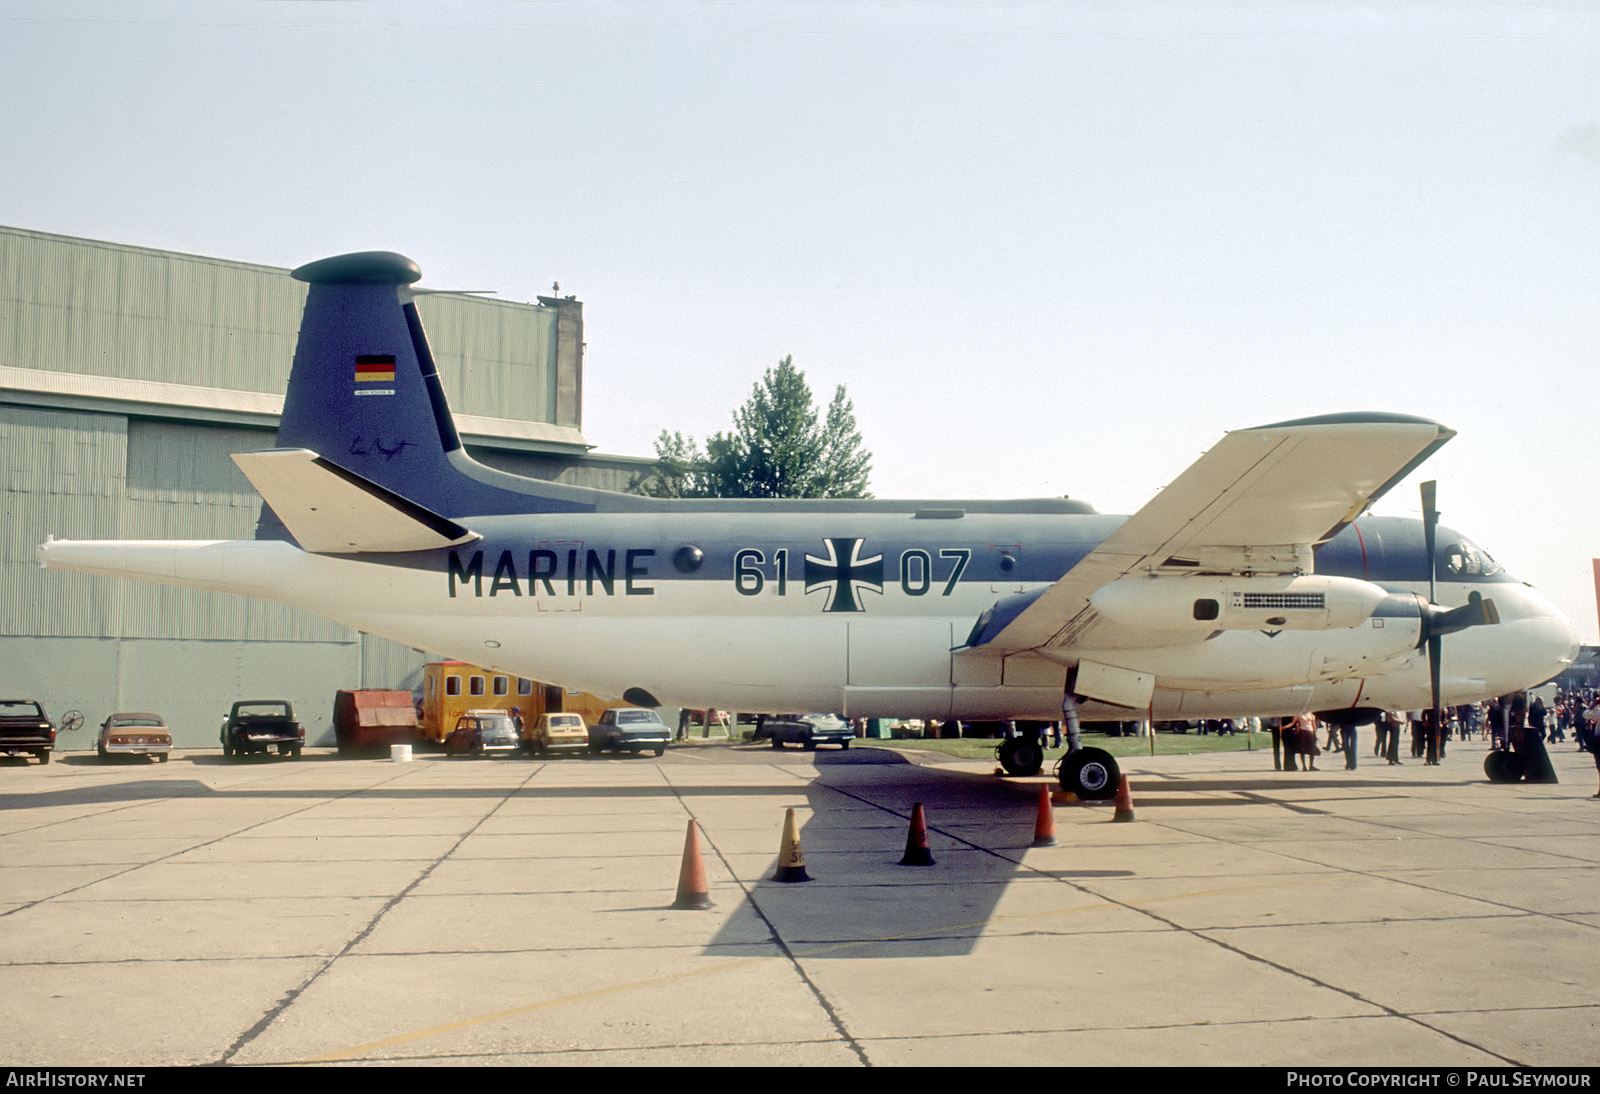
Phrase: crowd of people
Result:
[1516,723]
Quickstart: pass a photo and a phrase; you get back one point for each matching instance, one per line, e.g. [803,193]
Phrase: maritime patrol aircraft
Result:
[1251,585]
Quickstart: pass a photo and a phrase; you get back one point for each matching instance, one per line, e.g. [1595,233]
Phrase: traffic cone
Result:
[917,853]
[692,893]
[1124,801]
[791,863]
[1044,825]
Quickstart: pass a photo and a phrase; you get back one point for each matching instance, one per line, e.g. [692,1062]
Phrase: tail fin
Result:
[365,397]
[363,392]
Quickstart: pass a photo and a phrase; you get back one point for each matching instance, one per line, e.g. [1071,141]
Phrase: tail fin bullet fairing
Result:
[1202,604]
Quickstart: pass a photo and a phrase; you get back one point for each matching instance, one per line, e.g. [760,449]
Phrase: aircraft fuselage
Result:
[865,614]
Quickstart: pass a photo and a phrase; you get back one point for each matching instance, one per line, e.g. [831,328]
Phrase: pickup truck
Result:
[24,727]
[261,725]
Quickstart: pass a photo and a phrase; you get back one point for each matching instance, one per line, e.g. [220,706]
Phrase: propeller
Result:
[1436,621]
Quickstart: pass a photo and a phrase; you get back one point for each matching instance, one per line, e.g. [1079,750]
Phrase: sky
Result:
[1049,248]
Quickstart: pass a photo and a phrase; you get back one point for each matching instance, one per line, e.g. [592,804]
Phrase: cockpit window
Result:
[1465,561]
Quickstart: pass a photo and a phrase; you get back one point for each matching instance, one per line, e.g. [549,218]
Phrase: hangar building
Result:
[127,377]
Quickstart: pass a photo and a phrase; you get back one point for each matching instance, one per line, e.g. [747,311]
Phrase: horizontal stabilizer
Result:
[331,511]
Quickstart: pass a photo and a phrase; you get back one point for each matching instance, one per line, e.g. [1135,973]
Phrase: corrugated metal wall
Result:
[495,359]
[104,310]
[182,485]
[100,309]
[63,475]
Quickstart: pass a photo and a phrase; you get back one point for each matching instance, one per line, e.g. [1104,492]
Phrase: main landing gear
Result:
[1021,755]
[1091,774]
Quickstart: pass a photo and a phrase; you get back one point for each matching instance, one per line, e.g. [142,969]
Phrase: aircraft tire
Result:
[1503,767]
[1090,773]
[1021,756]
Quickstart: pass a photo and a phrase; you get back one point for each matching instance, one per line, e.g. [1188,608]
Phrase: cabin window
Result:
[475,685]
[452,685]
[502,685]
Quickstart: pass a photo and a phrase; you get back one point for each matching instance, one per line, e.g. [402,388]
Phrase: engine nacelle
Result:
[1264,602]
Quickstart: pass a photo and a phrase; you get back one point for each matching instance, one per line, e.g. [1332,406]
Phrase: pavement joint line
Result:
[1400,876]
[1376,830]
[174,854]
[1143,909]
[785,953]
[290,997]
[805,977]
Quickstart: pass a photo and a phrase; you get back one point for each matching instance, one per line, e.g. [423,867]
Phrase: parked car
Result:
[262,725]
[561,730]
[482,732]
[629,729]
[134,735]
[25,728]
[806,730]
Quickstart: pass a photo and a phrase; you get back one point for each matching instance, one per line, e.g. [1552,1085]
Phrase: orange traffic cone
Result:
[1124,801]
[692,892]
[917,852]
[791,863]
[1044,825]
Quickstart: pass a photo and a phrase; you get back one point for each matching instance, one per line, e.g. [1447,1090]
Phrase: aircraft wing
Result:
[1255,503]
[332,511]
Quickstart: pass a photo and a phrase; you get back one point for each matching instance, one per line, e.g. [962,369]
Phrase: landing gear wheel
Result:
[1091,773]
[1021,756]
[1503,767]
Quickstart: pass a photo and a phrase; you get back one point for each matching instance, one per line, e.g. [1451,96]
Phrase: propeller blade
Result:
[1435,655]
[1430,526]
[1438,622]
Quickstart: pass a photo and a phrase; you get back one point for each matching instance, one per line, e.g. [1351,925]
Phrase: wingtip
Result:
[1362,417]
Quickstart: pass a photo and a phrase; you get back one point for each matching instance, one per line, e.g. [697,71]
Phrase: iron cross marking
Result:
[844,581]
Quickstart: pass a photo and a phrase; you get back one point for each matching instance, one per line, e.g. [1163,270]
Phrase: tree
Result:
[679,470]
[777,449]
